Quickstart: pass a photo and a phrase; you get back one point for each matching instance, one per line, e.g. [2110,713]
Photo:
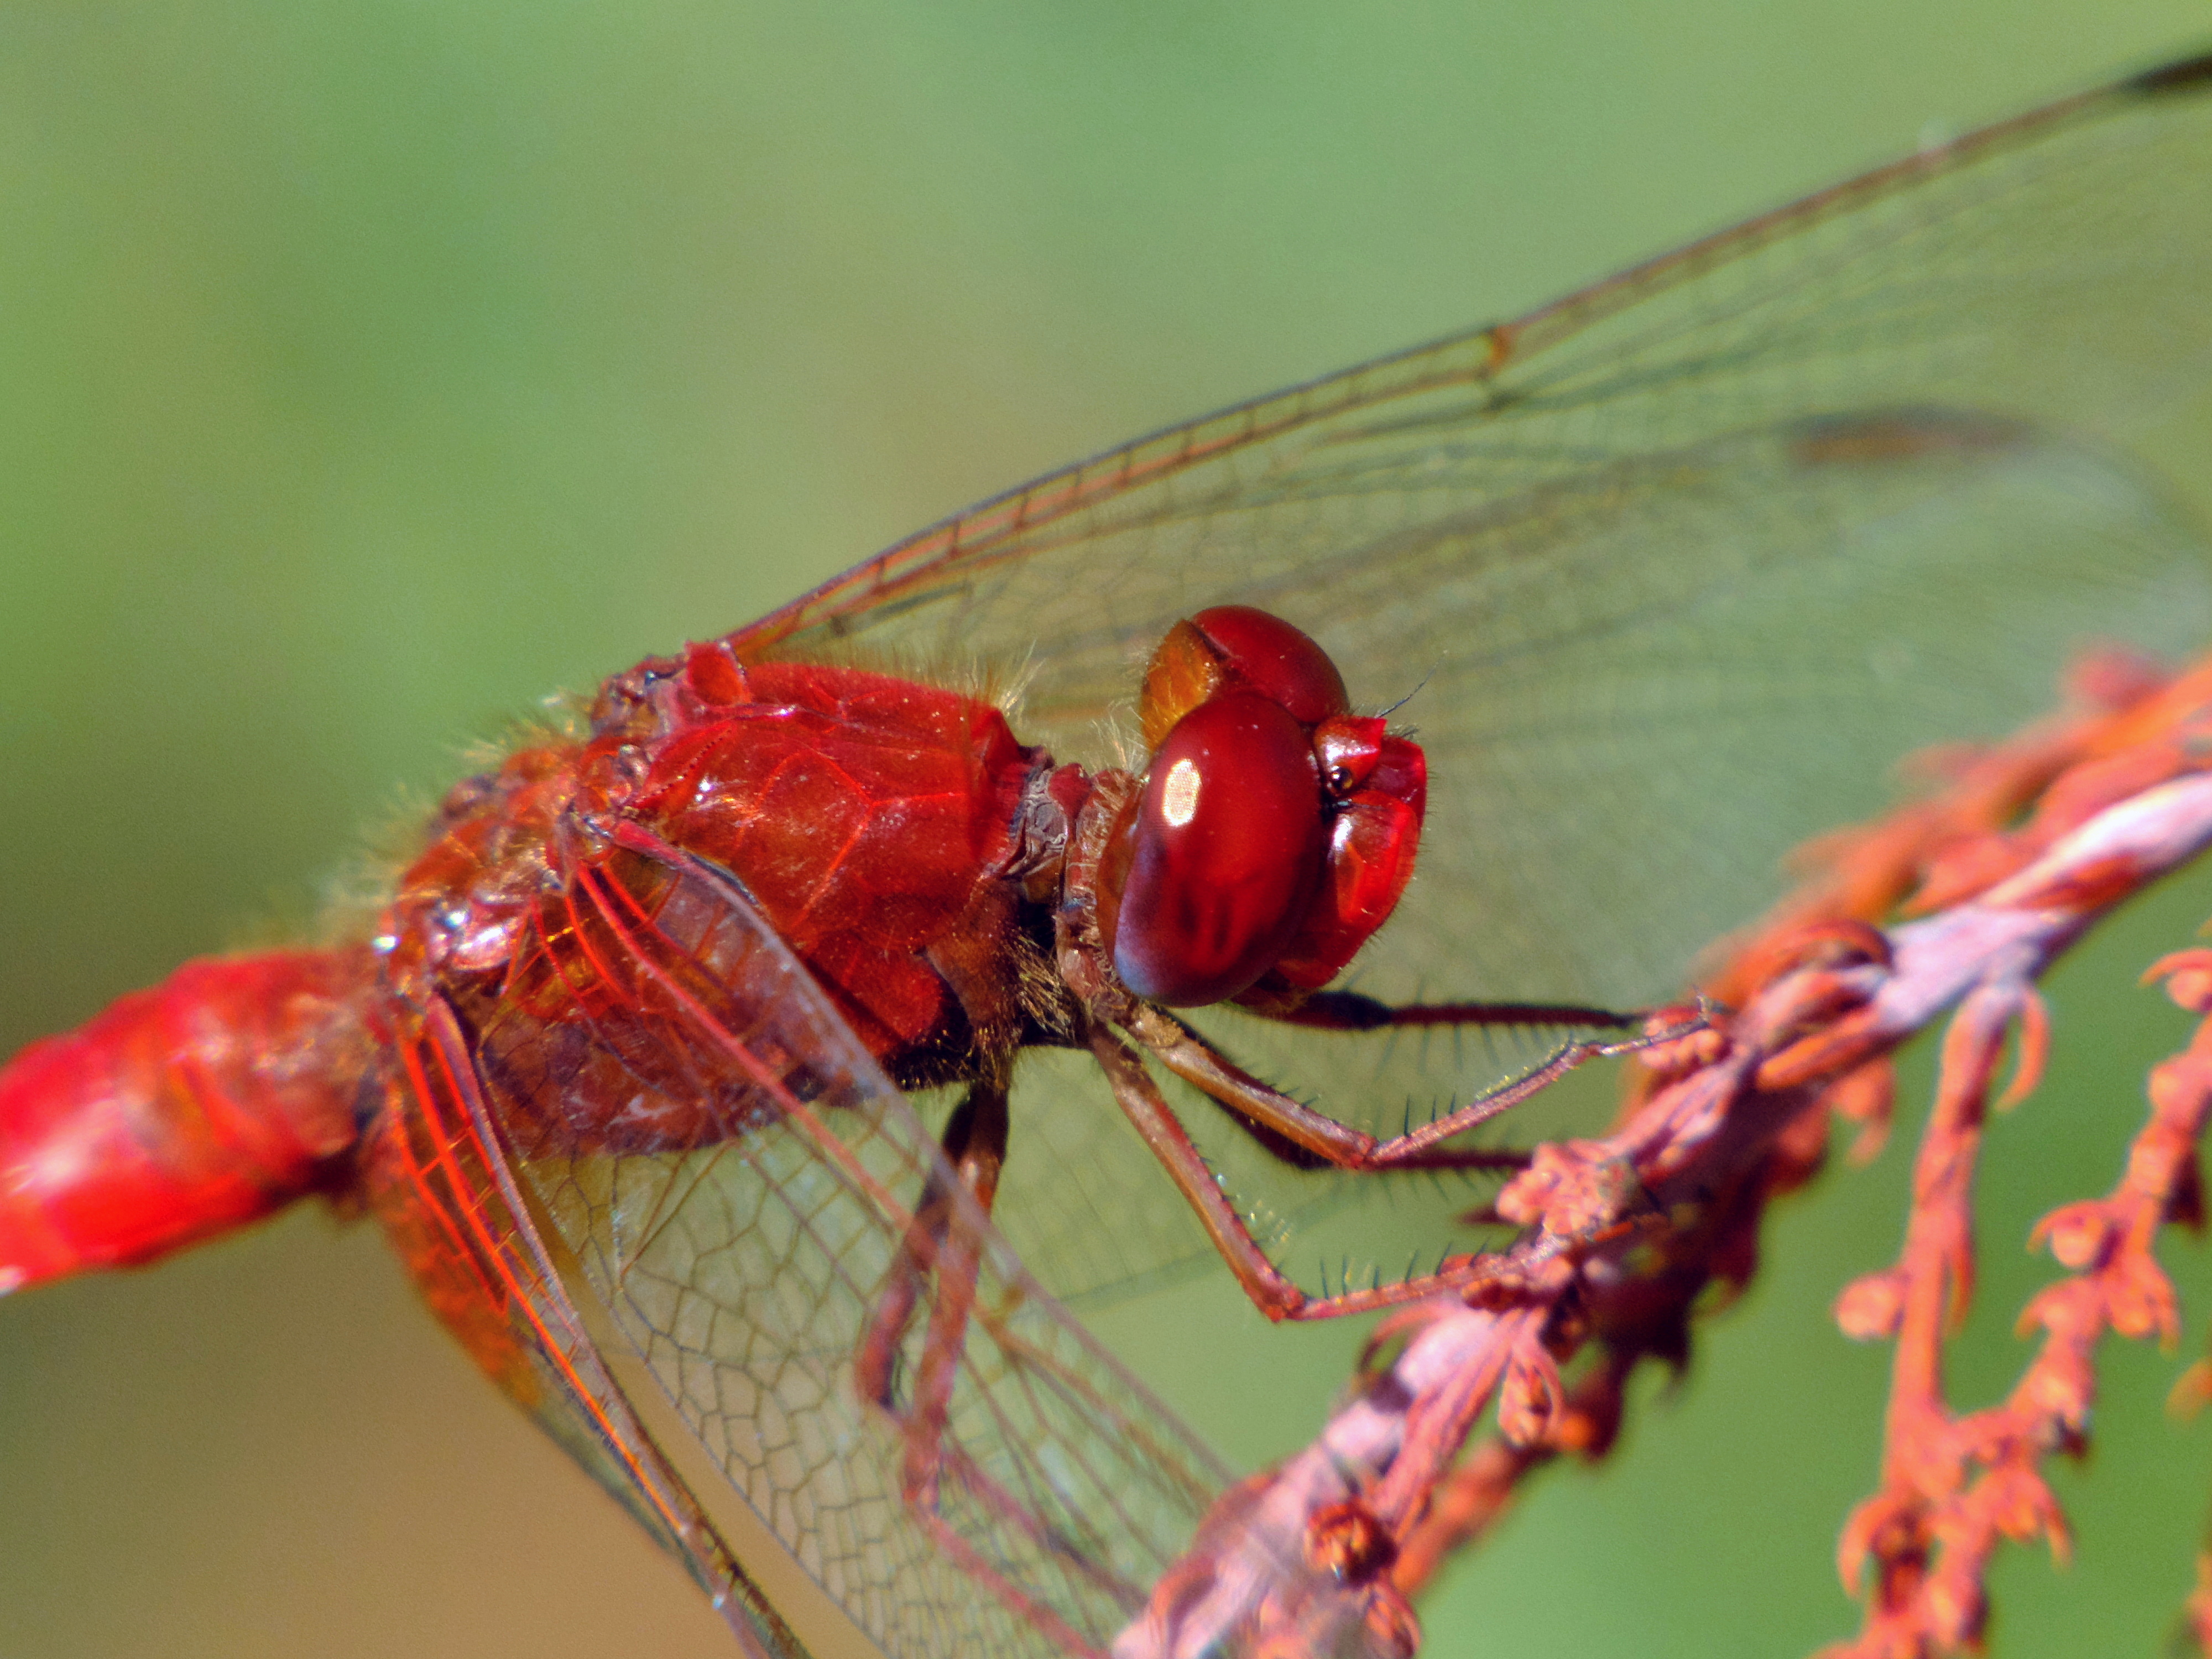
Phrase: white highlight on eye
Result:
[1179,799]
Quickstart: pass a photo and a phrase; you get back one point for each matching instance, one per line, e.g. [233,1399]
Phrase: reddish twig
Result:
[1625,1233]
[1954,1487]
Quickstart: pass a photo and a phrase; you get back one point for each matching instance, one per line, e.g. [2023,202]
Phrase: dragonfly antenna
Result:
[1409,696]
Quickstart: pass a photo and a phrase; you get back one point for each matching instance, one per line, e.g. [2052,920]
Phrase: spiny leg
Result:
[1299,1134]
[975,1147]
[1205,1067]
[1271,1291]
[1348,1010]
[1156,1122]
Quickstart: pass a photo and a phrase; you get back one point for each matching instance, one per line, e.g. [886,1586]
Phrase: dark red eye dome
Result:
[1279,661]
[1227,844]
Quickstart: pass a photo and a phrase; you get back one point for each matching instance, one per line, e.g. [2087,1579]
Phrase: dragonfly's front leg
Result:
[1301,1134]
[1199,1063]
[1348,1010]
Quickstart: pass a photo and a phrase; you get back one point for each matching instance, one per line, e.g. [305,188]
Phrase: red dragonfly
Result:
[730,1057]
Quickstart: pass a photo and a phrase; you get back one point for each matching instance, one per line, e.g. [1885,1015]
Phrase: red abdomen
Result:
[210,1101]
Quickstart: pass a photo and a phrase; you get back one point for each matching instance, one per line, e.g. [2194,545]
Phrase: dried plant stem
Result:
[1954,1486]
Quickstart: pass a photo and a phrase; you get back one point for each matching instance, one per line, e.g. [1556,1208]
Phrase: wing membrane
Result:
[1671,575]
[1673,572]
[738,1218]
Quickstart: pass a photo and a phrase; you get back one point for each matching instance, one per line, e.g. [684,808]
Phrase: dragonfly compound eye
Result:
[1227,844]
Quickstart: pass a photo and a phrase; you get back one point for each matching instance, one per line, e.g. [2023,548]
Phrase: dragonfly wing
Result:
[1618,768]
[436,1171]
[1670,576]
[1673,572]
[746,1270]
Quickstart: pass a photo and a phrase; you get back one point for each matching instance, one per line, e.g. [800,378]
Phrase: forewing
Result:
[1670,574]
[746,1271]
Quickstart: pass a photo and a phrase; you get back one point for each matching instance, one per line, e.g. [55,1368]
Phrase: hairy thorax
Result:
[881,828]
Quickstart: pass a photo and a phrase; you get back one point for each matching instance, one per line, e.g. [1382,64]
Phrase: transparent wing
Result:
[436,1172]
[1672,573]
[1670,576]
[727,1177]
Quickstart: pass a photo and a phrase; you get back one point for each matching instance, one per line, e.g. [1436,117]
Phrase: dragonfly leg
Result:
[1320,1136]
[1271,1291]
[1299,1134]
[975,1146]
[1348,1010]
[945,1243]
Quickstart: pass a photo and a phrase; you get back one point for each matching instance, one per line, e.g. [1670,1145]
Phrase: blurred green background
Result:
[366,371]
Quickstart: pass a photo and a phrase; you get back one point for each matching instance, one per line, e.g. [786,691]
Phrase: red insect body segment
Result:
[860,811]
[1370,853]
[212,1100]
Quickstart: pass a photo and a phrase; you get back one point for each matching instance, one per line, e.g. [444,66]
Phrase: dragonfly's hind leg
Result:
[945,1243]
[943,1239]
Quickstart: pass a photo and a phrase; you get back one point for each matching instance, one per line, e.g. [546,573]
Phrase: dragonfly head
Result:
[1273,829]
